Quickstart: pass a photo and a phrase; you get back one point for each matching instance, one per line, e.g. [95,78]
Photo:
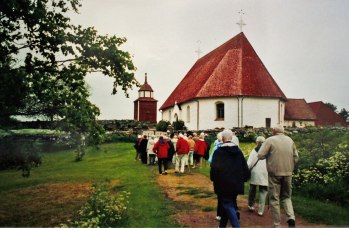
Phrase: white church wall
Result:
[237,113]
[190,119]
[166,114]
[207,115]
[256,110]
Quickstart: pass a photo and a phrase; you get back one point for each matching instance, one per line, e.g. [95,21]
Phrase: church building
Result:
[145,107]
[228,87]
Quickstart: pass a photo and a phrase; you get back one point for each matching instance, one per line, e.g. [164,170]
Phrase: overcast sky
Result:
[304,44]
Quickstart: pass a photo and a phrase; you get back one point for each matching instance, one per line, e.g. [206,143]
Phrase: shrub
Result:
[178,125]
[328,179]
[118,137]
[19,153]
[162,125]
[103,209]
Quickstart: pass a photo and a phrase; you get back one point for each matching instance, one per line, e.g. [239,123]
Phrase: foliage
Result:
[323,170]
[162,125]
[178,125]
[80,152]
[19,153]
[44,60]
[103,209]
[316,143]
[344,113]
[331,106]
[118,137]
[246,134]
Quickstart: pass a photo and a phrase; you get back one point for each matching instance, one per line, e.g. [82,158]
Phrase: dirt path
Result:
[196,203]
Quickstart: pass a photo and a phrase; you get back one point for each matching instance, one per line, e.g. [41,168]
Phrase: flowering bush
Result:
[103,209]
[323,169]
[328,179]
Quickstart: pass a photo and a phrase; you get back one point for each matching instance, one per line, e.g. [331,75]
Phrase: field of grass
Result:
[57,189]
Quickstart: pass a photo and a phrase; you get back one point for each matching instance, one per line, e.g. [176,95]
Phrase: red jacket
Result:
[161,148]
[182,146]
[200,147]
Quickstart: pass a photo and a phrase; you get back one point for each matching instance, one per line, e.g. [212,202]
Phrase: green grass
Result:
[149,207]
[320,212]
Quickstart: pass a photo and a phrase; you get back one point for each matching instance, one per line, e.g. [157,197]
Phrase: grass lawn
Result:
[57,189]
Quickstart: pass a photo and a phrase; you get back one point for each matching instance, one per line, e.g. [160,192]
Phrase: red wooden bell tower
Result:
[145,107]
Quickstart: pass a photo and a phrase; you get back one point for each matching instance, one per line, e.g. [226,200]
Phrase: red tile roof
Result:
[325,115]
[298,109]
[232,69]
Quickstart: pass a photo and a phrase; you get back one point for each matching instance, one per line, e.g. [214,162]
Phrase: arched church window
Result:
[175,117]
[188,114]
[219,111]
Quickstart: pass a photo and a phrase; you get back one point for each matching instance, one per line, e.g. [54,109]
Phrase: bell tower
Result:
[145,107]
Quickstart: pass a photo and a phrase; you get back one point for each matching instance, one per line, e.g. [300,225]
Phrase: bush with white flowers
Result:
[103,209]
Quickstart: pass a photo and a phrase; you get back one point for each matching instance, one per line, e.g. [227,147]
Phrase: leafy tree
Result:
[44,60]
[344,113]
[332,106]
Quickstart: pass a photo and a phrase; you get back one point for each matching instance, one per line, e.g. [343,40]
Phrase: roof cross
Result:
[241,22]
[198,50]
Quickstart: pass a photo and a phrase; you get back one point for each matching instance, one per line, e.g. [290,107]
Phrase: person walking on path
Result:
[259,177]
[182,147]
[199,150]
[171,152]
[143,149]
[208,145]
[281,154]
[228,172]
[191,150]
[217,143]
[151,154]
[161,149]
[136,146]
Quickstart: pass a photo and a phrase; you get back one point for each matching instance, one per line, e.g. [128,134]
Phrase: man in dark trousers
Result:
[228,172]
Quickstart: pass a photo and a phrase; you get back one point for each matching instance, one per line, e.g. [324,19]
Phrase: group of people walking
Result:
[182,150]
[269,167]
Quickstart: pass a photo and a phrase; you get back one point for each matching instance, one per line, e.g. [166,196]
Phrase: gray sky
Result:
[304,44]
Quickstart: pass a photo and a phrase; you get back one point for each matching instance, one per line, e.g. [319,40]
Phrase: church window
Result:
[219,111]
[188,114]
[175,117]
